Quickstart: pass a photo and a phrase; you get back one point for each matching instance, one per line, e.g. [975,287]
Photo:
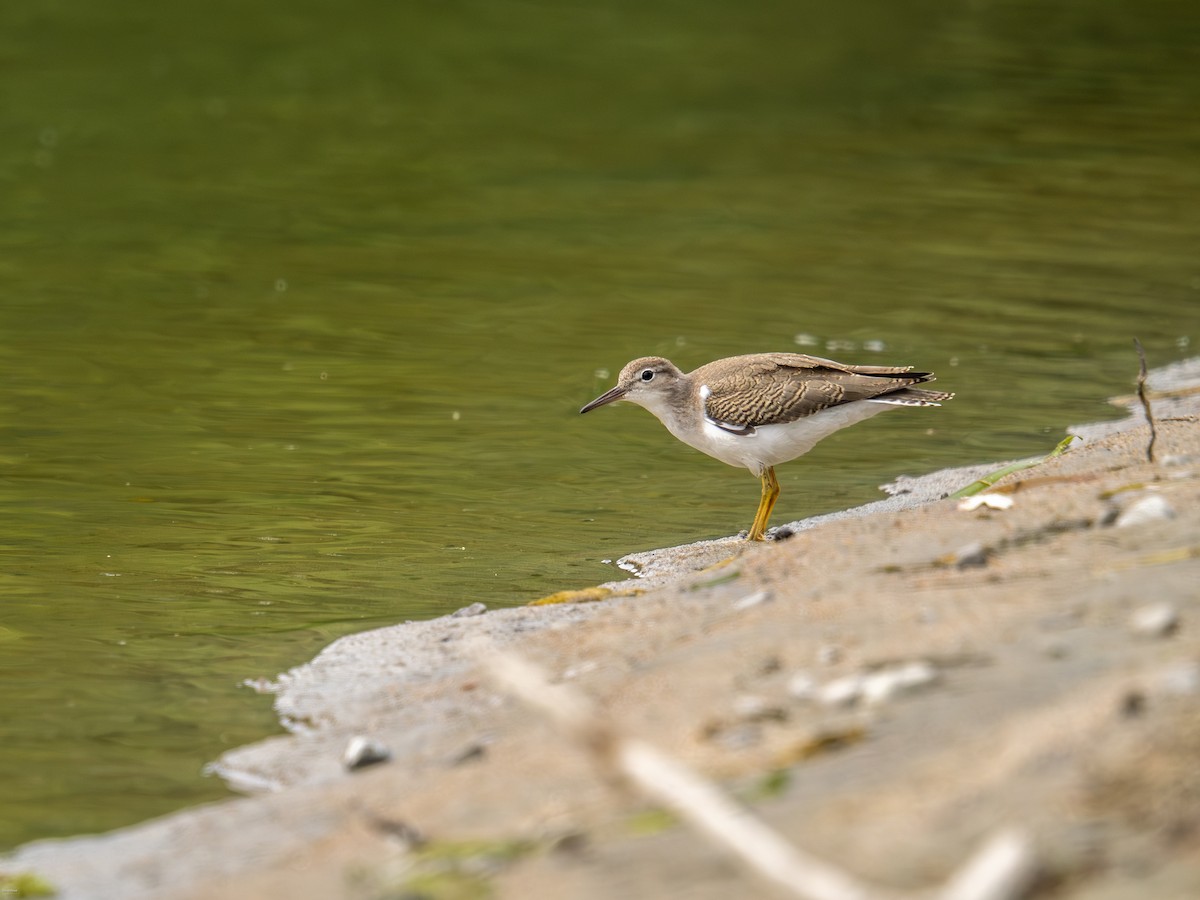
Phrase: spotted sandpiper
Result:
[764,409]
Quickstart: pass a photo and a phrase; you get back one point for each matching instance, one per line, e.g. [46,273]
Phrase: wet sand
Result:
[886,687]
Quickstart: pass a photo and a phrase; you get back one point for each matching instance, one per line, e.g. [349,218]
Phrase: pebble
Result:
[887,683]
[841,691]
[1151,508]
[828,654]
[749,706]
[752,708]
[802,686]
[1179,459]
[877,687]
[1180,680]
[400,832]
[362,751]
[475,609]
[971,555]
[739,736]
[588,665]
[987,501]
[1054,648]
[471,753]
[769,666]
[1133,704]
[755,599]
[1063,620]
[1154,620]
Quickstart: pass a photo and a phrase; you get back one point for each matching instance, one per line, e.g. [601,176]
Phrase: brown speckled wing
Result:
[775,388]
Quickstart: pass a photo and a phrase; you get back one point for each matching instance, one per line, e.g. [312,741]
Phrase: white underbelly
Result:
[771,445]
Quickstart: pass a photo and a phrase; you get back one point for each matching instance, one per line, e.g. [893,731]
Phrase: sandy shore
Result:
[886,687]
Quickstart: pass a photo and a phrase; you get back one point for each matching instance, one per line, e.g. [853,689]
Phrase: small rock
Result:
[1063,620]
[364,751]
[971,555]
[475,609]
[570,843]
[841,691]
[1055,648]
[916,674]
[749,706]
[1151,508]
[755,599]
[397,830]
[769,666]
[1181,680]
[828,654]
[740,737]
[588,665]
[1133,704]
[880,686]
[1179,459]
[987,501]
[1155,620]
[752,708]
[471,753]
[802,686]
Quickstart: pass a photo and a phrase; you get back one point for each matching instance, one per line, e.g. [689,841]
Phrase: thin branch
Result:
[1144,396]
[1002,870]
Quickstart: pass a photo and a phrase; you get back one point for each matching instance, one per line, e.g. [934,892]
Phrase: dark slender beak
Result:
[607,397]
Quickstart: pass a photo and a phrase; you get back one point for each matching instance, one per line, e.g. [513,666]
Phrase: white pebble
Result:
[802,686]
[971,555]
[751,600]
[1155,620]
[749,706]
[988,501]
[887,683]
[1151,508]
[842,691]
[917,673]
[1181,680]
[828,654]
[879,687]
[583,668]
[364,751]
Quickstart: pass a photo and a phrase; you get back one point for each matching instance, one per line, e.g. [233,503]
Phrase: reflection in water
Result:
[298,311]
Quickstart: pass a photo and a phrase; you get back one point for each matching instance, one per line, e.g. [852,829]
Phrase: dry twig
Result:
[1145,398]
[1002,870]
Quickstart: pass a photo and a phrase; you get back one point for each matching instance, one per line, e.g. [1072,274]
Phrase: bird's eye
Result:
[647,374]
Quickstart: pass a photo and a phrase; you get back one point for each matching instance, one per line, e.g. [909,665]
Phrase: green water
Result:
[298,303]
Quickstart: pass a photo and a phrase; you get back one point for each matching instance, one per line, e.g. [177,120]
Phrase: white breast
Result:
[770,445]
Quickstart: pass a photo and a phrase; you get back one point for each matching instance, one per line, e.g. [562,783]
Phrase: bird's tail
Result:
[914,397]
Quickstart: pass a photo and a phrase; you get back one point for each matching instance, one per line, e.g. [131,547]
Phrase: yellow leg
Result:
[770,493]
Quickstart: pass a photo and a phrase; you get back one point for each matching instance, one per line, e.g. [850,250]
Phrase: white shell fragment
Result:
[802,686]
[878,686]
[1151,508]
[1154,620]
[971,555]
[887,683]
[987,501]
[1179,680]
[755,599]
[364,751]
[841,691]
